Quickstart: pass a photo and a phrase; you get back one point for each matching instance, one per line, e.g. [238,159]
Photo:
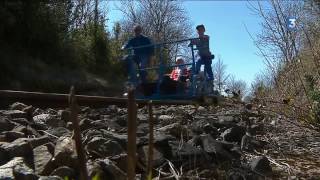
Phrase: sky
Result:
[225,23]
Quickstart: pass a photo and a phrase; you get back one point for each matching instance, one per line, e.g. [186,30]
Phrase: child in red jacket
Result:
[180,72]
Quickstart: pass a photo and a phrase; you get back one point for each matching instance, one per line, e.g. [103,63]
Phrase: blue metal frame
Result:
[192,93]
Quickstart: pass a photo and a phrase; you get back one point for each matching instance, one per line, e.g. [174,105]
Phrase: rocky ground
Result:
[217,142]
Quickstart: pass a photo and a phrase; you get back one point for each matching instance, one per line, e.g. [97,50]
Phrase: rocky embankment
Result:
[221,142]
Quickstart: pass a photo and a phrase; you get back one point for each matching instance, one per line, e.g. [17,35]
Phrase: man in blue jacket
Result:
[143,49]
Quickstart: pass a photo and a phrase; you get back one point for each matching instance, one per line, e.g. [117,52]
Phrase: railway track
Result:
[61,100]
[72,100]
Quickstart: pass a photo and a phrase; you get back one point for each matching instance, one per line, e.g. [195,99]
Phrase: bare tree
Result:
[237,86]
[161,20]
[220,74]
[263,82]
[275,36]
[291,54]
[83,12]
[281,46]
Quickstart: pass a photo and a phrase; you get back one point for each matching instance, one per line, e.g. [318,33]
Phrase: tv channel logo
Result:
[292,23]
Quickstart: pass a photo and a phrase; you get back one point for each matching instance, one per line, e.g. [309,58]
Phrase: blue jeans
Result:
[141,61]
[206,61]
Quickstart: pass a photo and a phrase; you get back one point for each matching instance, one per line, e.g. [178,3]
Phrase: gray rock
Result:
[256,129]
[184,149]
[102,147]
[197,126]
[161,143]
[42,160]
[27,130]
[85,109]
[196,141]
[95,169]
[234,134]
[101,124]
[122,120]
[91,134]
[113,125]
[69,126]
[23,172]
[249,143]
[29,110]
[49,120]
[4,156]
[37,111]
[142,129]
[64,171]
[21,121]
[111,170]
[183,152]
[65,153]
[165,118]
[246,143]
[3,138]
[142,118]
[12,135]
[227,119]
[122,139]
[50,178]
[19,147]
[171,109]
[94,115]
[17,106]
[40,127]
[223,151]
[161,139]
[59,131]
[175,129]
[261,166]
[157,158]
[120,161]
[225,122]
[5,124]
[7,170]
[201,109]
[51,111]
[15,114]
[85,124]
[64,115]
[41,119]
[51,147]
[105,169]
[235,174]
[209,129]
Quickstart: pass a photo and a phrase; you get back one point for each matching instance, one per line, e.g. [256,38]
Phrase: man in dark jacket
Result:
[142,51]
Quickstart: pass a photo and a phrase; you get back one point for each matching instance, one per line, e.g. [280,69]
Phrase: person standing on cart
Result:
[202,44]
[143,49]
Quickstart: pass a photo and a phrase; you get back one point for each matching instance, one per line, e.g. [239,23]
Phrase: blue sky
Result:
[224,21]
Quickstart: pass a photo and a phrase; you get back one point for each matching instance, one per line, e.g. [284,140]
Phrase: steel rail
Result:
[61,100]
[171,66]
[159,44]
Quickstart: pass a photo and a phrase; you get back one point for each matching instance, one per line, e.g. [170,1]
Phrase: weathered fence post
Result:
[132,130]
[77,134]
[150,147]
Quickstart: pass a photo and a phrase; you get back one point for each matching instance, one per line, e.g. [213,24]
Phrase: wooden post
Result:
[132,130]
[150,147]
[77,135]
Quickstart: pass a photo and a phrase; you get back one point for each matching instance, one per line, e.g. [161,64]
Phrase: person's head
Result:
[201,29]
[137,30]
[179,61]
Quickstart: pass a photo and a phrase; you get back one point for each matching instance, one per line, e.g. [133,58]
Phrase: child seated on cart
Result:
[180,72]
[176,81]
